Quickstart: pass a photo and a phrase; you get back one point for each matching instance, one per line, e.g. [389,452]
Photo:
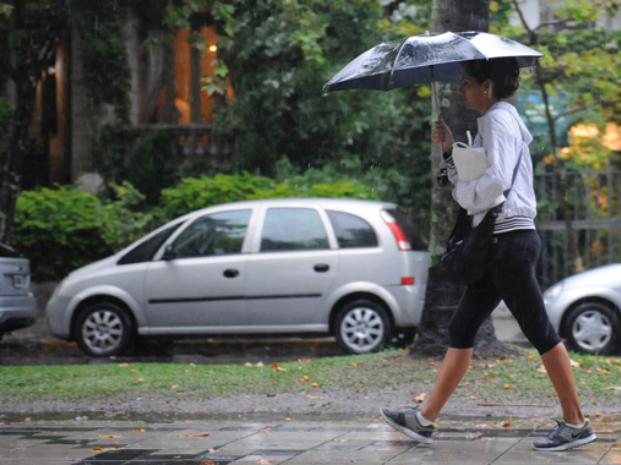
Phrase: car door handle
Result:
[231,273]
[322,267]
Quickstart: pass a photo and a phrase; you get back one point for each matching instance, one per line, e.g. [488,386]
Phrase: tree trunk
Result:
[442,297]
[36,33]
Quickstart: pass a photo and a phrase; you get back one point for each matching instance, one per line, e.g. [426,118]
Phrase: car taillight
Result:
[407,280]
[402,240]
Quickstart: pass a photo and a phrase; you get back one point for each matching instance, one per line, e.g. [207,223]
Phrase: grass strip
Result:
[521,378]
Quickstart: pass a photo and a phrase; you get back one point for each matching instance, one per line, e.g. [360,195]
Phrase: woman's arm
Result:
[502,149]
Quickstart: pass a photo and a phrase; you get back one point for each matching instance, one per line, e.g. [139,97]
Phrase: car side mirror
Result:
[169,253]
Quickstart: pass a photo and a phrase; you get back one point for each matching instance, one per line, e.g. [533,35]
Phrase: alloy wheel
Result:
[362,329]
[102,331]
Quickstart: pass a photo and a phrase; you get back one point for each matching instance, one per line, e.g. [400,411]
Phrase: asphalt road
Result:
[35,346]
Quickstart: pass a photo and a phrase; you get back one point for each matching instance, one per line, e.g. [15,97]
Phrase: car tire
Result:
[593,327]
[362,326]
[103,329]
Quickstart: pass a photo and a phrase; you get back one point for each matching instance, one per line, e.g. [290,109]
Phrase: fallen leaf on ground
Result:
[123,365]
[419,399]
[195,435]
[542,369]
[258,364]
[354,364]
[598,414]
[264,462]
[108,436]
[288,419]
[507,423]
[613,388]
[266,429]
[305,378]
[315,385]
[506,387]
[139,430]
[574,364]
[102,449]
[278,367]
[247,364]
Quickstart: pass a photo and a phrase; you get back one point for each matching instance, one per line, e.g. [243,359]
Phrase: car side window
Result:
[351,230]
[144,252]
[289,229]
[213,235]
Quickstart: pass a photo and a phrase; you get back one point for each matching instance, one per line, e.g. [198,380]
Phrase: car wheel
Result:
[362,326]
[593,328]
[104,329]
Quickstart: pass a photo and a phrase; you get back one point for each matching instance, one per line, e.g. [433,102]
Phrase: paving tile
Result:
[480,451]
[613,457]
[282,440]
[523,453]
[320,457]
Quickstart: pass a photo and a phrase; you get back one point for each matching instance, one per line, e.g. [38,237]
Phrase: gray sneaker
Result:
[565,437]
[406,422]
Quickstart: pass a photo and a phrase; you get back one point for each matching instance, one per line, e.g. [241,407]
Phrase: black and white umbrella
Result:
[425,58]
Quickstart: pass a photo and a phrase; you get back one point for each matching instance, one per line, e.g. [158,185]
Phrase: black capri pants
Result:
[510,276]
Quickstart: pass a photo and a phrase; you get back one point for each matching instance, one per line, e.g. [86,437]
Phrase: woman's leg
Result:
[556,361]
[518,287]
[477,303]
[453,369]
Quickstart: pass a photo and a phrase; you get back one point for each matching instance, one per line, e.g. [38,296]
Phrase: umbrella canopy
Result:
[425,58]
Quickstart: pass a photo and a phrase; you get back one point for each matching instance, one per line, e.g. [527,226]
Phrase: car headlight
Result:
[553,292]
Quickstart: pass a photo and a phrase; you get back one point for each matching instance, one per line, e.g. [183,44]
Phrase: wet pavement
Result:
[292,441]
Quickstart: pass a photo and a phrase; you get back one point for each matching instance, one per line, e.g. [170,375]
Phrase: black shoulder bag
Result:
[467,248]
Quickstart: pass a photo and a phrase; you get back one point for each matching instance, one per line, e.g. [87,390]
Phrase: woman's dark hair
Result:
[503,72]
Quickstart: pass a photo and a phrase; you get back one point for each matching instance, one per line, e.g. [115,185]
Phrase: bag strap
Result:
[515,171]
[498,208]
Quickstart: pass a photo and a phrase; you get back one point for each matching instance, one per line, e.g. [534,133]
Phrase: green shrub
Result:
[194,193]
[62,229]
[58,230]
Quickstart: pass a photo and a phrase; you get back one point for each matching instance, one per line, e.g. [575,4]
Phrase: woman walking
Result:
[510,274]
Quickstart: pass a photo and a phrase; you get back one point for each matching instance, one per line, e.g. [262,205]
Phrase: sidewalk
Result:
[461,441]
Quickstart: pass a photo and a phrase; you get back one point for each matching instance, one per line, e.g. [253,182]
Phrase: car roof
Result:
[306,201]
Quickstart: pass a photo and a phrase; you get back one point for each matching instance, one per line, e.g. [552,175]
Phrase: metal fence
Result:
[595,203]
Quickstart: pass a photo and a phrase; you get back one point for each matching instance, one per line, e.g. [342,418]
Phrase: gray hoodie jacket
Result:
[504,136]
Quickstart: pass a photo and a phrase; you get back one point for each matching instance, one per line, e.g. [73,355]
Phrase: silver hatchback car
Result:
[586,309]
[350,268]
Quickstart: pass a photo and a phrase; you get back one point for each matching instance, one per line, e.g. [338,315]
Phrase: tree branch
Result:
[569,112]
[532,35]
[562,22]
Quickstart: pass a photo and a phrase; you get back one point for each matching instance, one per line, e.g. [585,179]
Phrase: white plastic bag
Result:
[470,162]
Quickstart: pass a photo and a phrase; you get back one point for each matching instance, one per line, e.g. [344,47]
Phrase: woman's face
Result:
[477,96]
